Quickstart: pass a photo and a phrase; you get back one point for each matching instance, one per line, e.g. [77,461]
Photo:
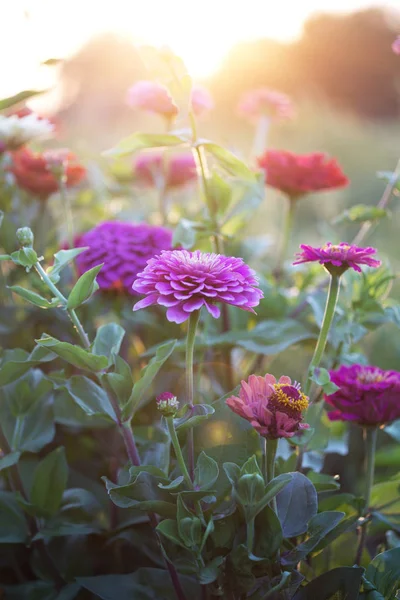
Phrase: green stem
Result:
[370,434]
[333,294]
[263,441]
[272,446]
[178,452]
[250,535]
[190,342]
[71,313]
[287,230]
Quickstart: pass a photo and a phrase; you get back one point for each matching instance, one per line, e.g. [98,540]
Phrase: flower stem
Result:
[370,434]
[333,294]
[250,534]
[69,221]
[178,452]
[272,446]
[287,229]
[190,342]
[260,141]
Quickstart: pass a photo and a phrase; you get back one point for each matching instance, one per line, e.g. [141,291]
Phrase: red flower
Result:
[34,172]
[299,174]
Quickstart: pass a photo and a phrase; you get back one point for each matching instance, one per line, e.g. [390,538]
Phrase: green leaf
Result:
[9,460]
[49,482]
[322,378]
[13,525]
[211,571]
[359,213]
[148,374]
[268,533]
[61,259]
[141,141]
[206,472]
[232,471]
[120,381]
[74,354]
[84,288]
[89,396]
[6,103]
[169,529]
[174,484]
[319,526]
[297,503]
[228,161]
[272,489]
[220,192]
[184,234]
[384,573]
[26,257]
[188,417]
[33,297]
[251,467]
[108,340]
[17,362]
[323,482]
[346,580]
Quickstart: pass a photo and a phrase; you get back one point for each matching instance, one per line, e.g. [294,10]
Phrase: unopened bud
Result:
[250,489]
[25,236]
[167,404]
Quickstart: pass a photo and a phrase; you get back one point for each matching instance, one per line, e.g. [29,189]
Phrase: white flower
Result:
[17,131]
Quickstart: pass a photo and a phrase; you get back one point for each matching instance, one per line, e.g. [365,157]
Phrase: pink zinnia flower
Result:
[167,404]
[299,174]
[338,258]
[124,248]
[367,395]
[265,102]
[201,100]
[273,408]
[152,97]
[186,281]
[396,45]
[152,167]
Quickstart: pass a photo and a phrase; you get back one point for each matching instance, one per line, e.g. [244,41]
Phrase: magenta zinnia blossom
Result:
[338,258]
[152,97]
[273,408]
[186,281]
[367,395]
[124,248]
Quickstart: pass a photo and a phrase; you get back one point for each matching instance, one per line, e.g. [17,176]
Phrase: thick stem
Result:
[190,342]
[370,434]
[333,294]
[272,446]
[287,230]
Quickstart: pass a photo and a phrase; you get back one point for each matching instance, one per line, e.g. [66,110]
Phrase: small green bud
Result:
[25,236]
[250,489]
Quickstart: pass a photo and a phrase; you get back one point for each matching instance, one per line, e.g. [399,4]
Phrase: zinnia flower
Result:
[34,172]
[337,258]
[167,404]
[152,97]
[152,167]
[201,100]
[23,127]
[265,102]
[299,174]
[186,281]
[396,45]
[273,408]
[367,395]
[124,248]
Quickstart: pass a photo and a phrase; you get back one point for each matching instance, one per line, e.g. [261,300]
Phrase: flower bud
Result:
[167,404]
[25,236]
[250,489]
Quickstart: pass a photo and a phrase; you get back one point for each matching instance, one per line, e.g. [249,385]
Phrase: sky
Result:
[202,33]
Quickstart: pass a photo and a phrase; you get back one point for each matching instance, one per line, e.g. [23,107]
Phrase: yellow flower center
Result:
[298,403]
[371,377]
[336,247]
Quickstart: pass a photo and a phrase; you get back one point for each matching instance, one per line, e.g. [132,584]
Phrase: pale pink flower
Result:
[396,45]
[152,97]
[201,100]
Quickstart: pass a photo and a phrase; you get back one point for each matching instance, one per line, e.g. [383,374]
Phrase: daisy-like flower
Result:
[337,258]
[152,97]
[124,248]
[396,45]
[367,395]
[151,167]
[186,281]
[23,127]
[298,174]
[35,172]
[265,102]
[201,100]
[274,408]
[167,404]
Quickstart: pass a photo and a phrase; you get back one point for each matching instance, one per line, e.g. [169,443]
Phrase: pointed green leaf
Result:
[228,161]
[49,482]
[384,573]
[33,297]
[74,354]
[141,141]
[108,340]
[9,460]
[61,259]
[206,472]
[13,525]
[89,396]
[84,288]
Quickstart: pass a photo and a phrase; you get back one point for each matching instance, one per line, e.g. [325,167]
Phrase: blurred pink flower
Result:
[201,100]
[337,258]
[186,281]
[273,408]
[265,102]
[177,169]
[396,45]
[152,97]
